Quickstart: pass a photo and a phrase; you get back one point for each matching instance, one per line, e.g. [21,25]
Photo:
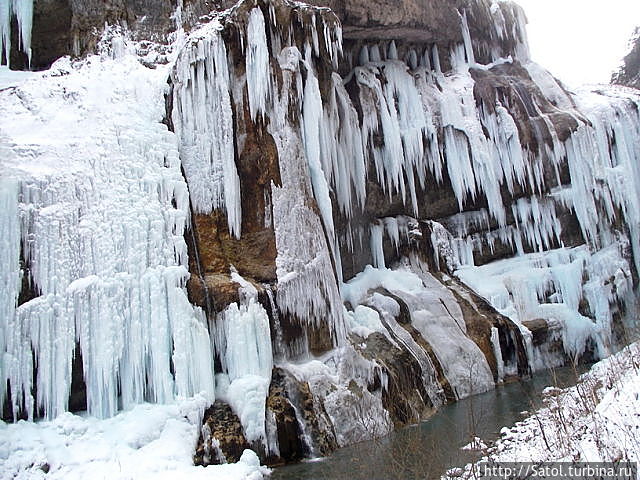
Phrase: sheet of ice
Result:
[356,414]
[399,336]
[243,344]
[258,68]
[99,206]
[437,315]
[307,282]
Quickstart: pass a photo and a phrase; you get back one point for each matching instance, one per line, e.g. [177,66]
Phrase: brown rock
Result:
[225,427]
[405,398]
[294,406]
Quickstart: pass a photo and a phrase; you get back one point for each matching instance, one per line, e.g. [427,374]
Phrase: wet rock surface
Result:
[222,440]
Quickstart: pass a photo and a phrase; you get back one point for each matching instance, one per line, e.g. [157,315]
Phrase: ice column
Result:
[243,342]
[203,121]
[23,12]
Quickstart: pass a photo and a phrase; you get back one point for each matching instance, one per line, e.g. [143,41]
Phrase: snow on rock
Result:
[96,205]
[146,442]
[476,444]
[435,313]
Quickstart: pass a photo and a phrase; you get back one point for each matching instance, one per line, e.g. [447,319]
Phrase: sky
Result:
[580,41]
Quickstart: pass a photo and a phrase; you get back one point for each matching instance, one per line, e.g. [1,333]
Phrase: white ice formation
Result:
[22,12]
[98,217]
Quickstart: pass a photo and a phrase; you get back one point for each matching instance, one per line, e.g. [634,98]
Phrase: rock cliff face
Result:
[425,141]
[73,27]
[389,207]
[629,74]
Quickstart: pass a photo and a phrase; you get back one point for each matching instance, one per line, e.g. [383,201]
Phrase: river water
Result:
[426,450]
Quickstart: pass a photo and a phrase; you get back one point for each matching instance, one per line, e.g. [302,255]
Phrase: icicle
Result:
[313,126]
[466,37]
[364,55]
[257,65]
[392,52]
[203,121]
[374,53]
[16,371]
[497,351]
[23,12]
[412,59]
[377,251]
[243,340]
[243,343]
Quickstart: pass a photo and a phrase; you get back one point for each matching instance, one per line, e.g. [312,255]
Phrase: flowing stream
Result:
[428,449]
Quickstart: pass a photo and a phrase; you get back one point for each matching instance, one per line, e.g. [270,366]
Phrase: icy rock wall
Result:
[22,12]
[516,166]
[282,78]
[306,281]
[508,168]
[229,88]
[451,154]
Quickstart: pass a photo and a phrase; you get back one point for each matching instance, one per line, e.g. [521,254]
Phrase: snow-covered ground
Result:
[597,420]
[148,442]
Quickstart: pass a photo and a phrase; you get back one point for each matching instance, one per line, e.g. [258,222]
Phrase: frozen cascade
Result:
[306,276]
[550,286]
[480,149]
[104,240]
[602,157]
[99,217]
[257,63]
[22,10]
[243,344]
[307,286]
[313,133]
[203,121]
